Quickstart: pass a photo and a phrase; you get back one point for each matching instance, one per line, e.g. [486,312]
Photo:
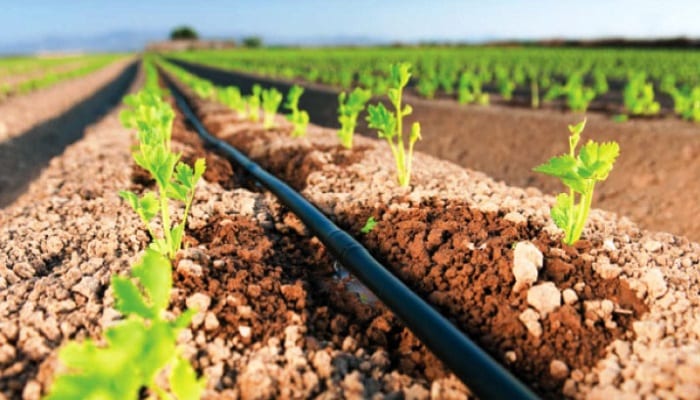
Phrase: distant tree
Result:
[252,42]
[183,33]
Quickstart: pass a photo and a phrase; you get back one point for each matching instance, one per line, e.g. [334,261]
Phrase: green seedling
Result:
[447,77]
[369,225]
[469,89]
[638,96]
[153,117]
[506,86]
[578,96]
[428,84]
[136,349]
[390,126]
[600,82]
[298,118]
[580,174]
[271,100]
[349,107]
[231,97]
[686,100]
[203,88]
[254,103]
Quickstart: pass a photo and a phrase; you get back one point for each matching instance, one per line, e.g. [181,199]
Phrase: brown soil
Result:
[655,180]
[57,117]
[428,247]
[450,237]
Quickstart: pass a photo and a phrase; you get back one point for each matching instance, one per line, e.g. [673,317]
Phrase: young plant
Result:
[505,84]
[427,86]
[137,349]
[153,117]
[390,126]
[203,88]
[578,96]
[231,97]
[271,100]
[349,107]
[469,89]
[369,225]
[254,103]
[299,118]
[638,95]
[580,174]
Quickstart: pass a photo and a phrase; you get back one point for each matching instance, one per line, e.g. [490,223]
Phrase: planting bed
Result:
[280,319]
[655,178]
[36,127]
[627,322]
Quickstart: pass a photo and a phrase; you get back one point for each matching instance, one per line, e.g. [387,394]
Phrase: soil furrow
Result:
[450,236]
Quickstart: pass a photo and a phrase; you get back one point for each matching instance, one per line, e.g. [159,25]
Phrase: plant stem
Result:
[584,209]
[165,216]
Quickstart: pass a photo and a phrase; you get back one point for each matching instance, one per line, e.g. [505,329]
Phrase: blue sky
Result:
[407,20]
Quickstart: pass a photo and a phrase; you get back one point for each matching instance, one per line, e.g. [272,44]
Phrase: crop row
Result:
[42,73]
[142,346]
[577,76]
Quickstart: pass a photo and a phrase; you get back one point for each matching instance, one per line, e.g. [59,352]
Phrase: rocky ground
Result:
[626,297]
[614,317]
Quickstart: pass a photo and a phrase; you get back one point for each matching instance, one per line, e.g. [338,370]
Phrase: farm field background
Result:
[400,200]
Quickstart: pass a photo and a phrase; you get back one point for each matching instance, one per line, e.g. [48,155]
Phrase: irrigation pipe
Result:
[482,374]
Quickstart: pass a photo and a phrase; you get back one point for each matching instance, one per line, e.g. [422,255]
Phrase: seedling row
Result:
[635,82]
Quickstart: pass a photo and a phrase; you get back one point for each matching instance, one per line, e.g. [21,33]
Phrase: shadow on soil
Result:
[22,158]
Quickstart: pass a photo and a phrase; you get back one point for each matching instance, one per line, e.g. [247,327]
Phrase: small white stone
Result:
[210,322]
[569,296]
[511,357]
[609,244]
[545,297]
[199,301]
[530,318]
[527,259]
[609,375]
[245,331]
[655,282]
[515,217]
[652,246]
[605,269]
[652,330]
[558,369]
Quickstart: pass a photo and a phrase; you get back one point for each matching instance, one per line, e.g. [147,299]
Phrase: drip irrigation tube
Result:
[481,373]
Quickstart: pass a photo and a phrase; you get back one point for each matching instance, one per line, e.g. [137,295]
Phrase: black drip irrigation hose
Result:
[482,374]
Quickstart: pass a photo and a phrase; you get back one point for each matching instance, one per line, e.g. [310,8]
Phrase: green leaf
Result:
[160,246]
[148,206]
[184,382]
[158,349]
[559,166]
[597,159]
[415,133]
[129,299]
[154,273]
[380,118]
[176,234]
[183,319]
[576,133]
[369,225]
[199,167]
[184,175]
[562,214]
